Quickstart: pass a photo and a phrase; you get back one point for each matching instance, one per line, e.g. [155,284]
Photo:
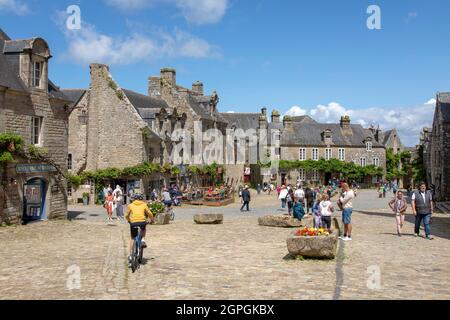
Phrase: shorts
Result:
[347,215]
[134,228]
[168,202]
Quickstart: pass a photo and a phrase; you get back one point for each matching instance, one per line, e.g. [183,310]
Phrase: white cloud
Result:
[408,121]
[87,45]
[296,111]
[330,113]
[14,6]
[194,11]
[202,11]
[431,101]
[231,112]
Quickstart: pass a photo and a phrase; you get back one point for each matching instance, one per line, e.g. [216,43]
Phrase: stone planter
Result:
[313,247]
[284,221]
[163,218]
[208,218]
[85,201]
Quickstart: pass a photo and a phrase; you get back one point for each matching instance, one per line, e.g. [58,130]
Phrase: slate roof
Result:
[444,105]
[311,135]
[74,95]
[242,121]
[17,46]
[303,119]
[8,76]
[141,101]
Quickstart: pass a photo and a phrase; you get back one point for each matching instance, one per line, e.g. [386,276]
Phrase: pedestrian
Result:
[298,210]
[309,197]
[246,198]
[240,194]
[278,190]
[118,201]
[300,195]
[282,196]
[384,190]
[258,188]
[154,195]
[422,203]
[347,206]
[326,209]
[108,205]
[317,217]
[290,200]
[398,206]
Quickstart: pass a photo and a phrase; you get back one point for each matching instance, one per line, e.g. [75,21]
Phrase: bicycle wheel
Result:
[134,257]
[141,255]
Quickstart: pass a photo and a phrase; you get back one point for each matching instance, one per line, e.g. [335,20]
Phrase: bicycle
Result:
[169,209]
[137,252]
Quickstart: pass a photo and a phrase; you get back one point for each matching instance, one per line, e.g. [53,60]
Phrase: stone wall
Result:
[17,111]
[78,135]
[115,137]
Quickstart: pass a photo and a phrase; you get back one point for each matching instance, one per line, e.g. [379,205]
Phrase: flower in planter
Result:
[312,232]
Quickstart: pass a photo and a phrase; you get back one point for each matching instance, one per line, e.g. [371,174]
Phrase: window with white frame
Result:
[69,190]
[36,131]
[362,161]
[37,73]
[302,174]
[341,154]
[328,153]
[315,175]
[302,154]
[369,145]
[315,154]
[376,161]
[69,161]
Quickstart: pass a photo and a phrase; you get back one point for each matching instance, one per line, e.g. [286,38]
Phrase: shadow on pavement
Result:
[440,226]
[72,215]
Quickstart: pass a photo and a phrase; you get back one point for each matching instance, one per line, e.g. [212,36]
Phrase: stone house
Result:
[34,108]
[438,169]
[111,127]
[302,138]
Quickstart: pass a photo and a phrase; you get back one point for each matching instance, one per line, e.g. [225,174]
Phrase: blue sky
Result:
[300,57]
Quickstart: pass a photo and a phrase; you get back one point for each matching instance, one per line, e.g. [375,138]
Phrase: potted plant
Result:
[85,198]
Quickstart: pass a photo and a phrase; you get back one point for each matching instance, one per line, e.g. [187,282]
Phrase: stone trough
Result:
[284,221]
[162,219]
[315,247]
[208,218]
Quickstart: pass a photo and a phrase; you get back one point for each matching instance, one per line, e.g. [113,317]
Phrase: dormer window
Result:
[369,145]
[37,73]
[327,137]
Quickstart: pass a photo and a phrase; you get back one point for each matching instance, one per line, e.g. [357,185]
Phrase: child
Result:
[299,211]
[398,206]
[316,213]
[326,209]
[109,202]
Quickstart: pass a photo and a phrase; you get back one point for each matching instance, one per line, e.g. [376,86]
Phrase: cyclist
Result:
[137,215]
[166,198]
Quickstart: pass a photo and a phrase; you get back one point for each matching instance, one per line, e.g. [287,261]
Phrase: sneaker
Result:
[416,235]
[343,237]
[399,234]
[348,239]
[429,238]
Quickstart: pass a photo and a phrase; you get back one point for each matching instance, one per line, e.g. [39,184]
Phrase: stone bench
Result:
[208,218]
[284,221]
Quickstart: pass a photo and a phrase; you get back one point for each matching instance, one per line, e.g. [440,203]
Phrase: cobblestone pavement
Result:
[236,260]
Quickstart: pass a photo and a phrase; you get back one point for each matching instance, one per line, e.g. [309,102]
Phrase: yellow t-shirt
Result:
[138,212]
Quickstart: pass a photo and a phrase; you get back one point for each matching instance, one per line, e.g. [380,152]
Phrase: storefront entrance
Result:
[34,193]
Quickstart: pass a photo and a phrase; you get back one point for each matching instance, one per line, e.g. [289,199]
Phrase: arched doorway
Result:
[34,204]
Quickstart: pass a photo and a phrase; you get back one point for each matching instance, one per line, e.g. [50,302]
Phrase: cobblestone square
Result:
[235,260]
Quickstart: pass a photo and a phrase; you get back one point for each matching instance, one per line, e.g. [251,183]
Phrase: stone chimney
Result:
[346,126]
[263,119]
[154,87]
[169,77]
[197,88]
[275,116]
[288,124]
